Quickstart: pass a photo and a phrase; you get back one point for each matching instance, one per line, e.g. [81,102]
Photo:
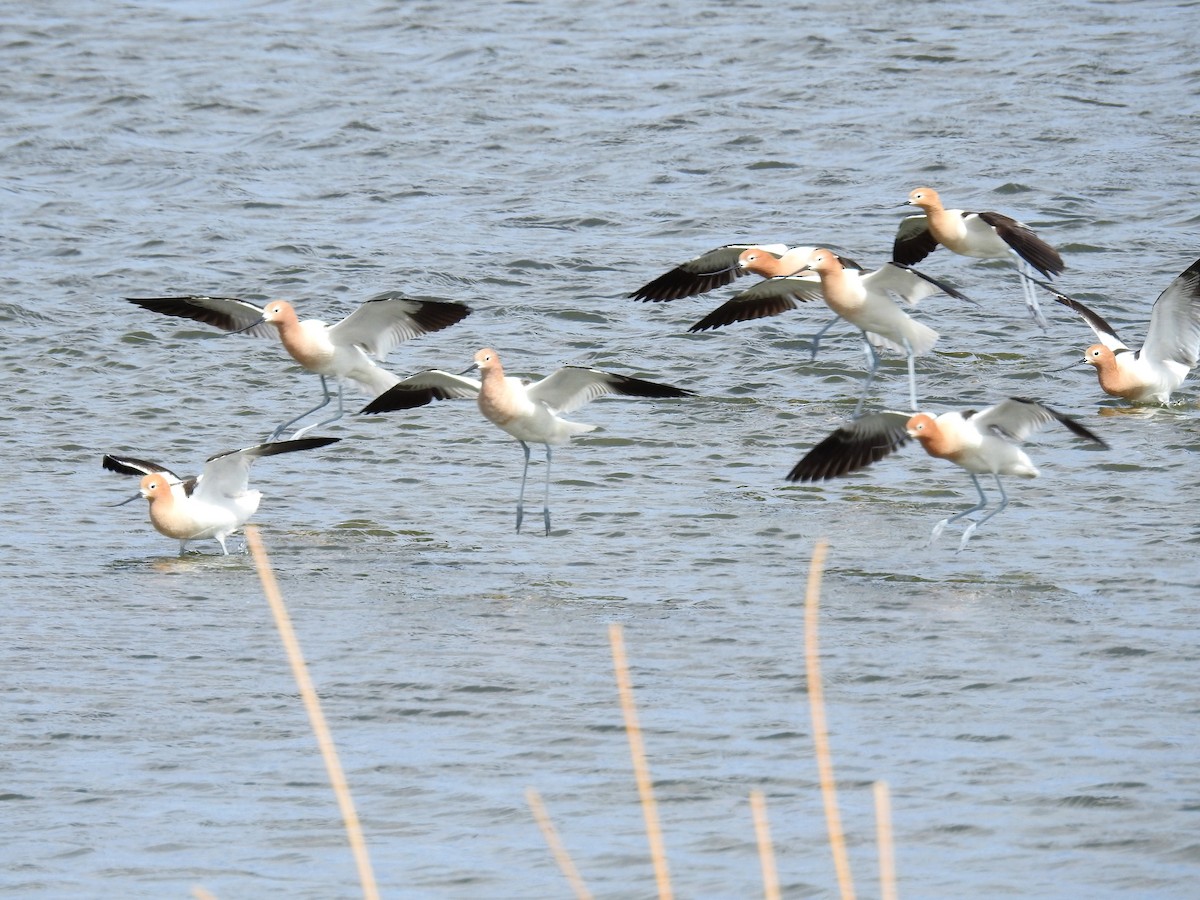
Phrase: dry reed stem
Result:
[883,836]
[201,894]
[550,833]
[312,704]
[766,853]
[641,771]
[816,700]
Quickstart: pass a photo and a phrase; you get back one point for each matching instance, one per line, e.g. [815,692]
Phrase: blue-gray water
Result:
[1032,701]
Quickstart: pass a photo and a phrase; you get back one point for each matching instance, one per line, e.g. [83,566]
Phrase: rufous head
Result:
[922,426]
[1099,356]
[154,486]
[486,359]
[822,261]
[752,258]
[278,311]
[924,197]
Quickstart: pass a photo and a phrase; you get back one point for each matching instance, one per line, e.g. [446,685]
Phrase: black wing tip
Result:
[629,386]
[739,309]
[1089,315]
[127,465]
[434,315]
[192,307]
[913,248]
[303,444]
[847,449]
[679,284]
[711,322]
[274,448]
[399,397]
[1066,421]
[1026,243]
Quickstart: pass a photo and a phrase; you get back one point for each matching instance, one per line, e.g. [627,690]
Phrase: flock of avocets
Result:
[218,501]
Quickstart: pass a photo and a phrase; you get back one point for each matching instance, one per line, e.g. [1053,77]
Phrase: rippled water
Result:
[1031,701]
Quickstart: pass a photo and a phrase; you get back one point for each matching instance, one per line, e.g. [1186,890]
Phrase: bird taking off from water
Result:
[345,351]
[982,235]
[984,443]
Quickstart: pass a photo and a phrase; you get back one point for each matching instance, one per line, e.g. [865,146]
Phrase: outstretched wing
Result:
[1174,333]
[908,284]
[706,272]
[421,389]
[1105,333]
[913,240]
[225,313]
[572,386]
[1016,418]
[853,446]
[227,474]
[131,465]
[769,297]
[389,319]
[1027,245]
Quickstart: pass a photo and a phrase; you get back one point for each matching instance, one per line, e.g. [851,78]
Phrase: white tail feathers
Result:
[373,379]
[919,336]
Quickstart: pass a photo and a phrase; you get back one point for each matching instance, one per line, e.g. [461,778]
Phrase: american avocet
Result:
[213,504]
[1171,350]
[983,443]
[341,351]
[529,412]
[721,266]
[981,235]
[860,298]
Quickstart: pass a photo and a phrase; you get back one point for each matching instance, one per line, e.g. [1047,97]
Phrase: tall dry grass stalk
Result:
[816,702]
[201,894]
[883,836]
[554,842]
[316,718]
[766,852]
[641,771]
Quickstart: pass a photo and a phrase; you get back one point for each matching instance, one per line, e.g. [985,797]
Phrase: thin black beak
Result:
[253,324]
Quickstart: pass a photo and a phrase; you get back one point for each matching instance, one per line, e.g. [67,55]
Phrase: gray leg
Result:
[307,428]
[546,497]
[971,528]
[912,376]
[816,338]
[325,402]
[940,526]
[873,363]
[521,496]
[1031,300]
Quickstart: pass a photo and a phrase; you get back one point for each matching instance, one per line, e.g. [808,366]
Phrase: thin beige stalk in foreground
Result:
[550,833]
[816,701]
[201,894]
[315,717]
[883,835]
[766,853]
[641,771]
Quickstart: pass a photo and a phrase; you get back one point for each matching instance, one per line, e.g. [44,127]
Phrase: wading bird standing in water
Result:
[213,504]
[532,413]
